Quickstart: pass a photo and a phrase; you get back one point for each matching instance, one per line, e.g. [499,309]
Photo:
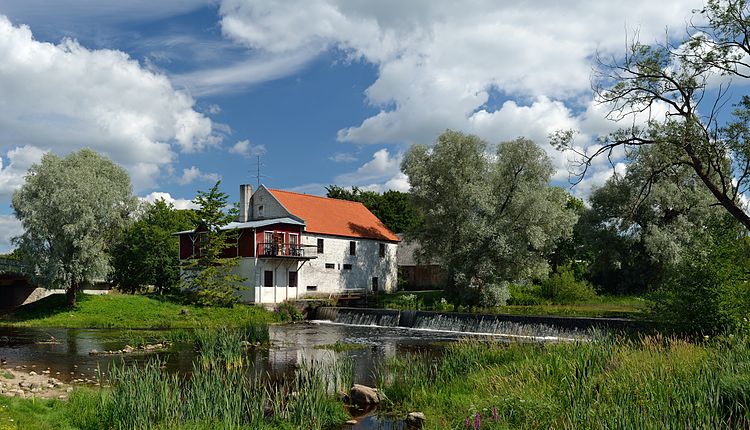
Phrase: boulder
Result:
[364,395]
[415,420]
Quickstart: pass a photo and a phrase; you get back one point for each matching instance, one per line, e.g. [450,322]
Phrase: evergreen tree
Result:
[211,275]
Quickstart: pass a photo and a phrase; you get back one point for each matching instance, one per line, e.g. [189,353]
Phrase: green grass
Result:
[340,346]
[600,306]
[647,383]
[218,394]
[131,312]
[33,414]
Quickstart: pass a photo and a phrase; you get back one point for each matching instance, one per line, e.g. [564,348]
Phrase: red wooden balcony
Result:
[287,250]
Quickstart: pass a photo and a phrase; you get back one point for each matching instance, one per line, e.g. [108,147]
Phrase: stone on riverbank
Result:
[364,395]
[129,349]
[22,384]
[415,420]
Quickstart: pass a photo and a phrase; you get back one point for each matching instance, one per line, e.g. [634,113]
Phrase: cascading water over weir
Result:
[512,326]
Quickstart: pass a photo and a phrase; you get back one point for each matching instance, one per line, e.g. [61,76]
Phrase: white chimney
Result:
[246,191]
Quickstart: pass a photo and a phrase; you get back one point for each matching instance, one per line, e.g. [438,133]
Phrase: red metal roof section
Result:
[335,217]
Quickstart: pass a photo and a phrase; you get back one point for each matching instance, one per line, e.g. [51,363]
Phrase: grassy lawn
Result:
[130,312]
[600,306]
[33,414]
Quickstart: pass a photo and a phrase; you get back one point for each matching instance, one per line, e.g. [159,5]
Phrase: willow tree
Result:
[488,218]
[70,209]
[691,80]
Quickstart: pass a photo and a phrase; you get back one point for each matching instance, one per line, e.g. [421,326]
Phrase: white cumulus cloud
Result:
[247,149]
[10,227]
[496,69]
[14,166]
[64,97]
[193,173]
[178,203]
[381,173]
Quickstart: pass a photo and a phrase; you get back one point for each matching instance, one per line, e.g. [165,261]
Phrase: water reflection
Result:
[67,350]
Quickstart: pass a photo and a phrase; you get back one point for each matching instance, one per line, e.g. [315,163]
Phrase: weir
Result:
[497,324]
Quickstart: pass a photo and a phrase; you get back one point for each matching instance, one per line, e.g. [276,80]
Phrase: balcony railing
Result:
[290,250]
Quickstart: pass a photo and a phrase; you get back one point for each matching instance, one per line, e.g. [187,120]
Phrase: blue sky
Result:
[183,92]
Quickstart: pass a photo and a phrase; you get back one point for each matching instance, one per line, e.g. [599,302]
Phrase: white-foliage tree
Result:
[488,218]
[70,209]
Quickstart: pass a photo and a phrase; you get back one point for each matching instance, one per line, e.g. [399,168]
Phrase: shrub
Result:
[705,293]
[563,287]
[407,301]
[494,295]
[525,295]
[442,305]
[287,311]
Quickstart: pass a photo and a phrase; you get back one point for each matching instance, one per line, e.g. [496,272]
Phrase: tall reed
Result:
[651,382]
[222,392]
[227,346]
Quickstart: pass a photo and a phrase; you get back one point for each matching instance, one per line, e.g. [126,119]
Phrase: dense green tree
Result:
[569,250]
[147,253]
[643,223]
[394,208]
[488,219]
[211,275]
[686,79]
[71,209]
[708,290]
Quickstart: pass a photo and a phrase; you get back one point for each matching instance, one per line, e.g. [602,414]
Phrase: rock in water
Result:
[364,395]
[415,420]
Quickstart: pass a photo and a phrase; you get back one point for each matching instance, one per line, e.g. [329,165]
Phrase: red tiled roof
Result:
[336,217]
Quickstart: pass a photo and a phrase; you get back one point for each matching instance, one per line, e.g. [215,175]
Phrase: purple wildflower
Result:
[477,422]
[468,426]
[494,413]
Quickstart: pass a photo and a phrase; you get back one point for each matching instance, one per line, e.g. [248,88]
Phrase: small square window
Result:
[347,267]
[330,266]
[352,248]
[312,288]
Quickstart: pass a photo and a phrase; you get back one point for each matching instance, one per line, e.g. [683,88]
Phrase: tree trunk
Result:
[70,295]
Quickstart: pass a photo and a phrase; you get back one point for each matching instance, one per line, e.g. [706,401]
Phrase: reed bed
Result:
[612,383]
[221,393]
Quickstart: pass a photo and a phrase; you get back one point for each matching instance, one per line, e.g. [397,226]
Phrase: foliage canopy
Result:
[147,252]
[691,80]
[71,208]
[487,219]
[211,277]
[393,208]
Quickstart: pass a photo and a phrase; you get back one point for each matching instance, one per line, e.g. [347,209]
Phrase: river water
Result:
[65,352]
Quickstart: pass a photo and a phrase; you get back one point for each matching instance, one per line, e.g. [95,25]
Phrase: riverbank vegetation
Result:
[648,383]
[522,302]
[223,390]
[132,312]
[518,241]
